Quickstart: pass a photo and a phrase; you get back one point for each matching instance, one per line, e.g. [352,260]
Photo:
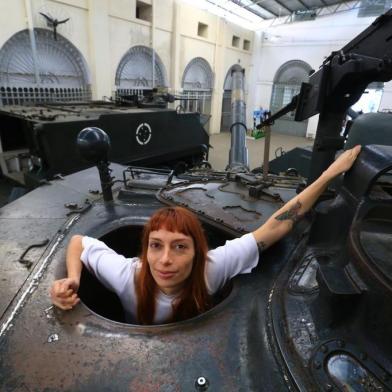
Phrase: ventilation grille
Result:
[30,95]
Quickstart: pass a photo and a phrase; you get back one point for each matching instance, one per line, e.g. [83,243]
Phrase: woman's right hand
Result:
[344,162]
[64,293]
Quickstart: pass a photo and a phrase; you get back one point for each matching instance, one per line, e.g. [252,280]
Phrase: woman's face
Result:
[170,257]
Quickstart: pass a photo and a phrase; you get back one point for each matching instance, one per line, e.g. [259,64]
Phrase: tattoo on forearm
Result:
[261,245]
[291,214]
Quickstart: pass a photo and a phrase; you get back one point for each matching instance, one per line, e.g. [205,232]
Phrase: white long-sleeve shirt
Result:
[117,273]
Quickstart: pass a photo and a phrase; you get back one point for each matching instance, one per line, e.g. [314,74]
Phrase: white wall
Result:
[104,30]
[12,19]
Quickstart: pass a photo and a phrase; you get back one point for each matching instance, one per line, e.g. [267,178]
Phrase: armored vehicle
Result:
[314,315]
[38,142]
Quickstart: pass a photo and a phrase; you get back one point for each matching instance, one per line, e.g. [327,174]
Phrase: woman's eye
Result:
[154,245]
[180,246]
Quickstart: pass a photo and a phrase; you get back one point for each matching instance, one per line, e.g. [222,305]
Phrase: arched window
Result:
[197,75]
[287,83]
[226,102]
[197,84]
[42,69]
[136,72]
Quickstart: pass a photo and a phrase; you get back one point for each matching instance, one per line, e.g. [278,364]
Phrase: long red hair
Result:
[194,298]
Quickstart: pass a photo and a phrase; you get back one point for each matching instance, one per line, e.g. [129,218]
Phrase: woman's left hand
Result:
[344,162]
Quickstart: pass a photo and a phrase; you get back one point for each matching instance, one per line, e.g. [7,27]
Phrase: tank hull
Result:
[90,348]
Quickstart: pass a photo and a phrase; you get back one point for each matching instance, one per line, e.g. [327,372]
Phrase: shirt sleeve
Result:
[237,256]
[114,271]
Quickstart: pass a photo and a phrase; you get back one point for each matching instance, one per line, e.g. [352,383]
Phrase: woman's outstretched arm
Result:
[64,291]
[282,221]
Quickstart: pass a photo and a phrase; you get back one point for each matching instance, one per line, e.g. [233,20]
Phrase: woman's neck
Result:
[171,291]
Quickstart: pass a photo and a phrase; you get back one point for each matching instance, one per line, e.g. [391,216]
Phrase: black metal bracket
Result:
[133,170]
[270,119]
[326,143]
[28,263]
[75,209]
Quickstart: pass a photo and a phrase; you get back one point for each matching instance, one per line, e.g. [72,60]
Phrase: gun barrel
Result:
[238,156]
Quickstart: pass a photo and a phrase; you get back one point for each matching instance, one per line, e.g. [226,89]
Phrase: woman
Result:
[176,274]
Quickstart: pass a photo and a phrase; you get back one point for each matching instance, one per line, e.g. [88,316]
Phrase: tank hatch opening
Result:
[126,240]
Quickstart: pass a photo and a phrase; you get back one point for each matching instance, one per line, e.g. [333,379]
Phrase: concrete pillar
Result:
[98,33]
[175,48]
[152,42]
[219,75]
[30,25]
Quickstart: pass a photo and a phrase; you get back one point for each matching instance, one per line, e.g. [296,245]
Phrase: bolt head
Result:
[201,381]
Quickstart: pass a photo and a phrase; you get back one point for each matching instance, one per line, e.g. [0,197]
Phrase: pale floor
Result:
[219,154]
